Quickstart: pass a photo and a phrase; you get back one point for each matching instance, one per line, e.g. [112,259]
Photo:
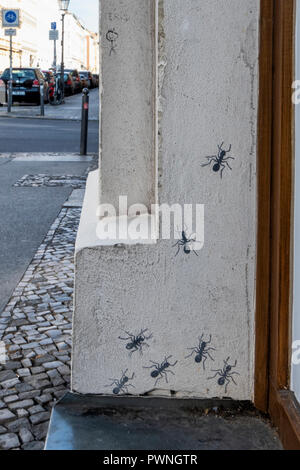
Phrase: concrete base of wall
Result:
[101,423]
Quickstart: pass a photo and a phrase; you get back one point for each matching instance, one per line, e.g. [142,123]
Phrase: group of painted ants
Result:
[161,370]
[220,163]
[202,351]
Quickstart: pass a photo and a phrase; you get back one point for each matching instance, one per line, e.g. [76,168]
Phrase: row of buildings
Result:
[32,47]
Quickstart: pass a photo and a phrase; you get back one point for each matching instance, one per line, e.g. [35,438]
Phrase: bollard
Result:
[42,99]
[6,93]
[84,121]
[10,100]
[10,83]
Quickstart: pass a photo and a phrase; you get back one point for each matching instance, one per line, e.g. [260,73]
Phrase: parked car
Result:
[49,76]
[26,84]
[69,83]
[96,80]
[86,78]
[2,93]
[76,79]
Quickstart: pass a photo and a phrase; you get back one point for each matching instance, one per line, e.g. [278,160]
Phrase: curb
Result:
[44,118]
[14,155]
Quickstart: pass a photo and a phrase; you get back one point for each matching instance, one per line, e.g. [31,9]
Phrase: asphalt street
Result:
[36,135]
[26,215]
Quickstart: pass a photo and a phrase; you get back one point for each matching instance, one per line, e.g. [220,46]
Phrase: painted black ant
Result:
[202,351]
[225,374]
[185,242]
[137,343]
[122,384]
[161,369]
[220,160]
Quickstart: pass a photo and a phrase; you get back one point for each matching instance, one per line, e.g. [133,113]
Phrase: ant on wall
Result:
[202,351]
[136,343]
[225,374]
[161,369]
[122,384]
[220,160]
[185,242]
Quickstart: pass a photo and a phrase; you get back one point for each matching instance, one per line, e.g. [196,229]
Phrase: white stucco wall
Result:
[128,101]
[208,95]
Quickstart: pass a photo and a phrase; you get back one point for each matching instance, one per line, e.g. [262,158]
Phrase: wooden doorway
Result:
[275,220]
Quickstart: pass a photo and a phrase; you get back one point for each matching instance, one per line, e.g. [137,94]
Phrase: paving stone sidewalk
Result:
[35,328]
[71,110]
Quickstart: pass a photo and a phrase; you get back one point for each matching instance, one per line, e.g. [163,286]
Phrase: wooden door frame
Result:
[275,220]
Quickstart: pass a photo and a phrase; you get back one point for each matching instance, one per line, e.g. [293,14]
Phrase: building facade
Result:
[25,45]
[201,86]
[93,52]
[196,107]
[81,45]
[32,47]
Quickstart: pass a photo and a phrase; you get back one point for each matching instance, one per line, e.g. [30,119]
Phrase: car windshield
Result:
[66,75]
[24,74]
[84,74]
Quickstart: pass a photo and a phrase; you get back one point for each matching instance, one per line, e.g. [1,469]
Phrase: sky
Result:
[87,11]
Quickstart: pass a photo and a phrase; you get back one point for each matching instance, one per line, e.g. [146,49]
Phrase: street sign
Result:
[10,32]
[11,21]
[53,25]
[10,18]
[53,35]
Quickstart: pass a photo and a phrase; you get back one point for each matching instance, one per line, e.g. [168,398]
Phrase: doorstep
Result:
[85,422]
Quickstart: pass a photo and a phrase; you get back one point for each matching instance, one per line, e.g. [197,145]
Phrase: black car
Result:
[26,84]
[76,79]
[69,85]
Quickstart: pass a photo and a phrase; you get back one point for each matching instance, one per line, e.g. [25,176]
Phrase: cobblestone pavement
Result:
[35,328]
[76,182]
